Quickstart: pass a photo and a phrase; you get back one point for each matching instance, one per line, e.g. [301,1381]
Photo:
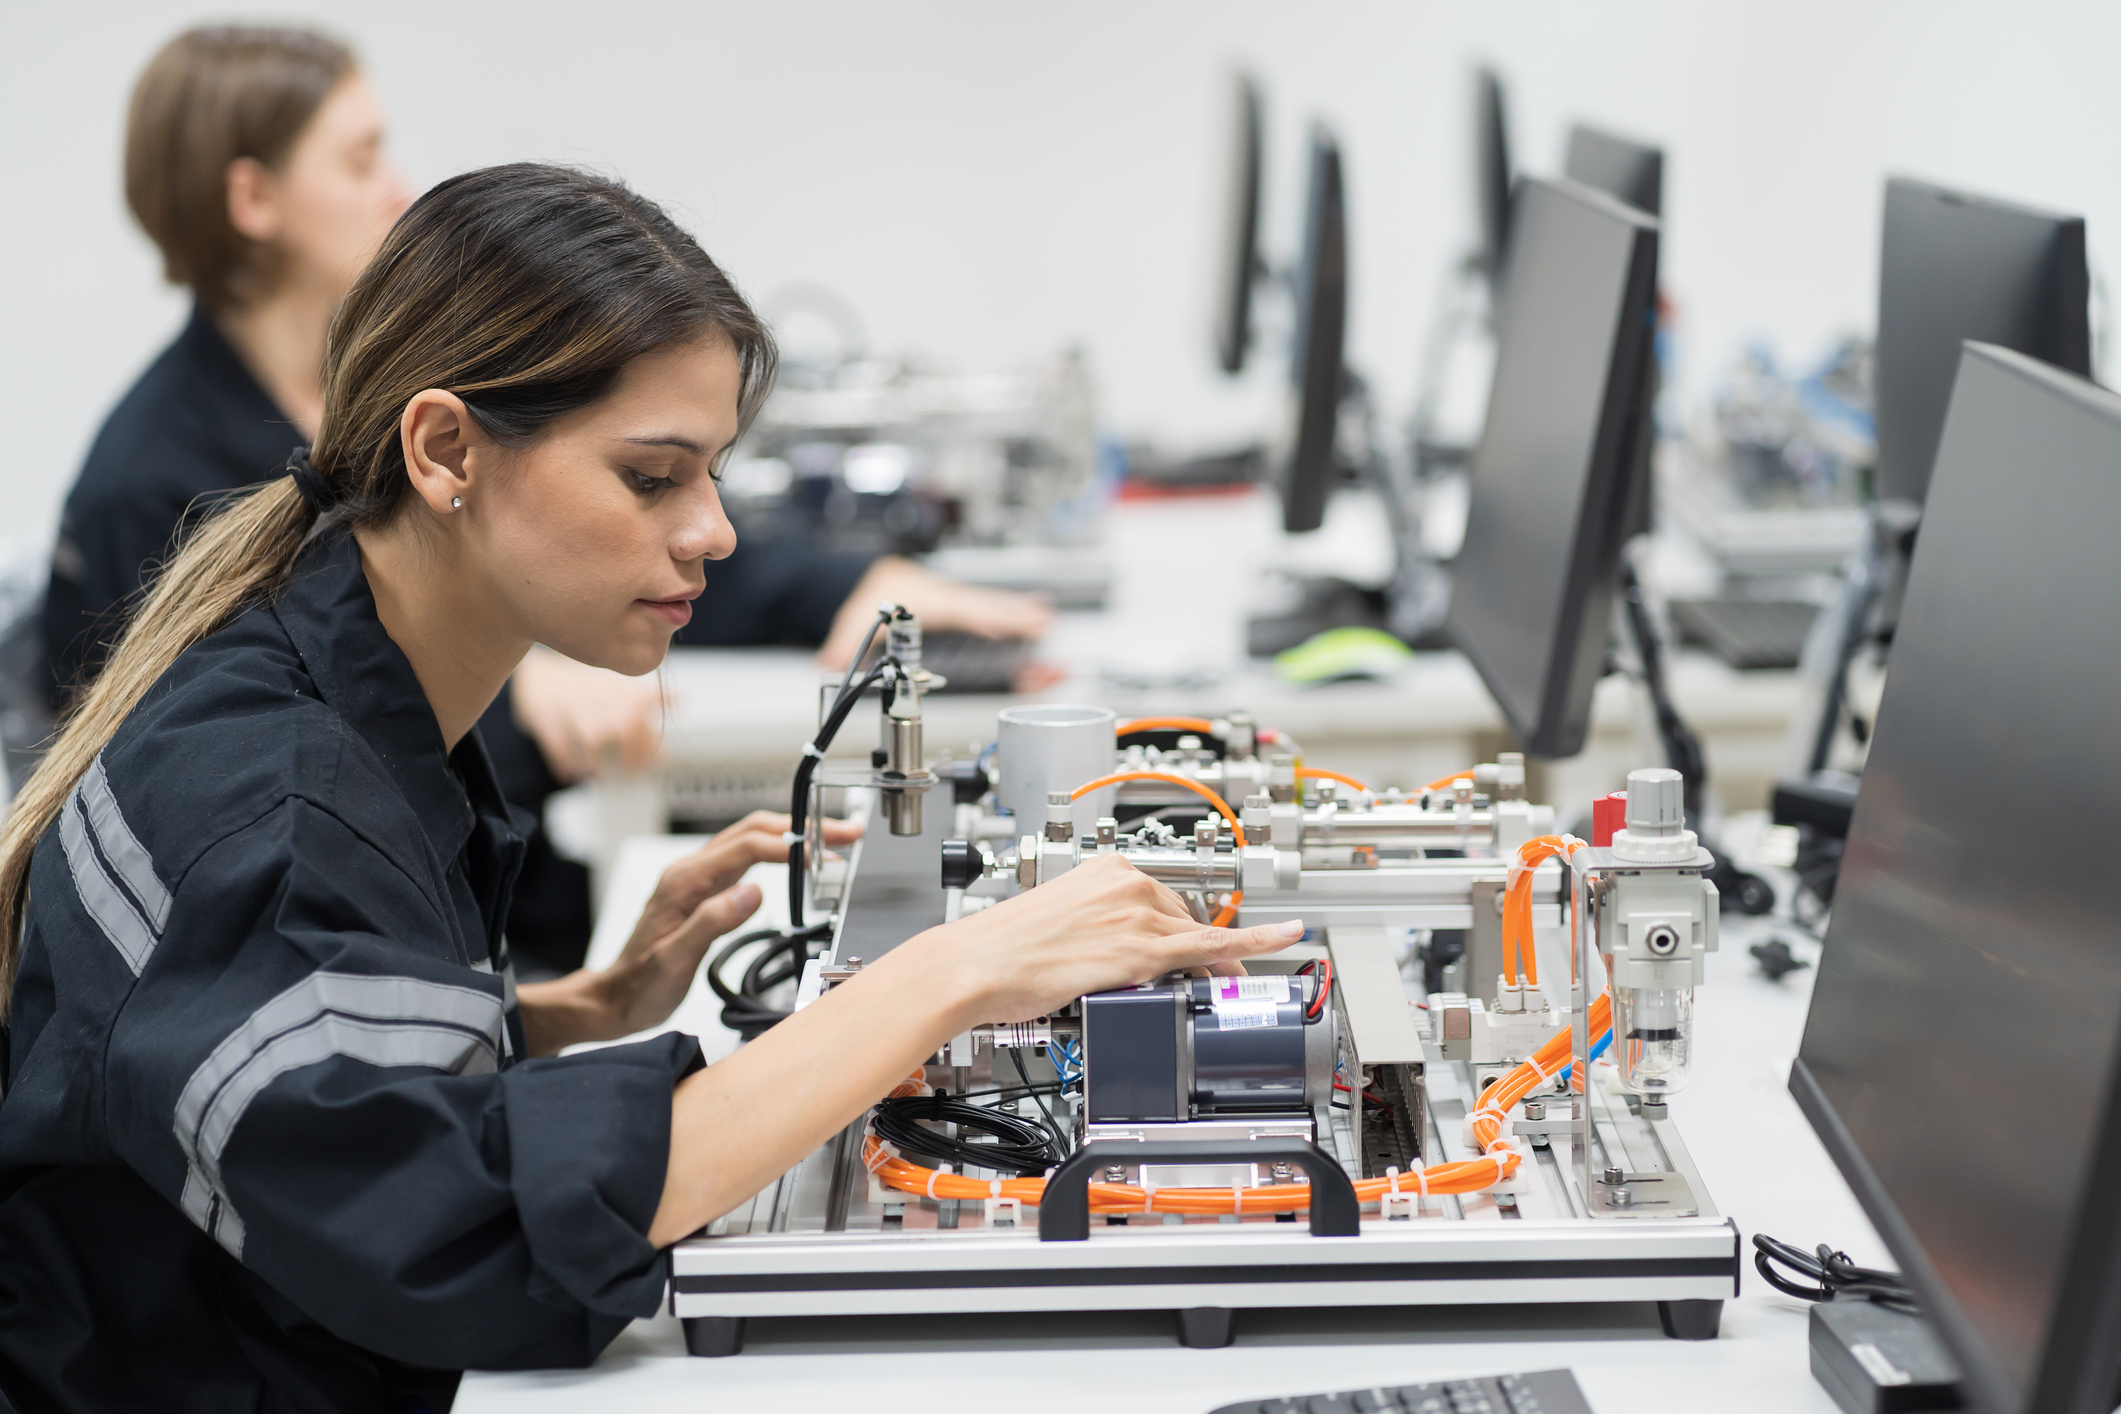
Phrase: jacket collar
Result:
[330,613]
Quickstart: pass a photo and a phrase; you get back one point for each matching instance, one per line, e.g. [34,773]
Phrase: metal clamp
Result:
[1064,1211]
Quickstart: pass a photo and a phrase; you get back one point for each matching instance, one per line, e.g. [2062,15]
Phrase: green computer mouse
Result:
[1343,653]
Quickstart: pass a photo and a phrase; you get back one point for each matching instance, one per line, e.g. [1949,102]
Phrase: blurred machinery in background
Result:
[888,456]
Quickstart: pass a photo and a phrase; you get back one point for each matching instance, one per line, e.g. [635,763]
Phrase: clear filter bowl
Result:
[1653,1038]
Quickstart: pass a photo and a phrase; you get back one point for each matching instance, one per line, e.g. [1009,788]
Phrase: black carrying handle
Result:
[1064,1210]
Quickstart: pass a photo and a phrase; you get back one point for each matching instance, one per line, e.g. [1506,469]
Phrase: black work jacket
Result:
[268,1138]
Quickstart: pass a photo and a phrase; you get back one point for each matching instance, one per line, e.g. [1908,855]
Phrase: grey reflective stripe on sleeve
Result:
[129,859]
[381,1021]
[114,913]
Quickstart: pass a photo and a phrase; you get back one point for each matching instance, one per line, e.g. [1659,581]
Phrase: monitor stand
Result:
[1745,893]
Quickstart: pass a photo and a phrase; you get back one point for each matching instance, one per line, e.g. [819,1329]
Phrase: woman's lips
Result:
[677,612]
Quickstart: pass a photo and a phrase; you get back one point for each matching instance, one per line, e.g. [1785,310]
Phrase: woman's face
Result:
[335,195]
[595,534]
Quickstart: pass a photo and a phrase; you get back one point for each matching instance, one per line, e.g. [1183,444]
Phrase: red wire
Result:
[1325,985]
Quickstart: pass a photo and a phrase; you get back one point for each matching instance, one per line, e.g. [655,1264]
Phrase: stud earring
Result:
[456,503]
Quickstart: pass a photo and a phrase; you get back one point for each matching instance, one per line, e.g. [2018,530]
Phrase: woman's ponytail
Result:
[239,556]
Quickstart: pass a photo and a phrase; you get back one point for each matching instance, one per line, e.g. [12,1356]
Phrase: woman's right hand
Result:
[1101,925]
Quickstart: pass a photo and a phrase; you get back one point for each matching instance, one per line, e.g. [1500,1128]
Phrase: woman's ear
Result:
[253,200]
[441,440]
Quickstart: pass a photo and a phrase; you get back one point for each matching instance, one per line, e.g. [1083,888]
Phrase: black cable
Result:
[744,1010]
[1020,1147]
[799,806]
[1831,1274]
[1039,1093]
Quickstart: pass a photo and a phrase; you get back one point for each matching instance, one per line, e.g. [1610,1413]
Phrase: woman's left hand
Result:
[698,900]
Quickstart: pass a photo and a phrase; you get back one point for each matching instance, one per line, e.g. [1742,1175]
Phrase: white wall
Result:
[987,180]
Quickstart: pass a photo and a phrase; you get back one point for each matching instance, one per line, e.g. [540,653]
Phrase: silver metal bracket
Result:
[1644,1195]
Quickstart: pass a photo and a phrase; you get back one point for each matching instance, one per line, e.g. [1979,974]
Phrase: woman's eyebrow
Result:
[684,444]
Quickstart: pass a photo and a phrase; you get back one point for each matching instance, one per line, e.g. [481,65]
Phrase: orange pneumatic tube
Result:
[1199,726]
[1497,1159]
[1517,905]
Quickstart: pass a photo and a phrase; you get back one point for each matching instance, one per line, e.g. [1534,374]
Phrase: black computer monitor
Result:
[1962,1059]
[1491,170]
[1633,172]
[1618,166]
[1239,265]
[1549,482]
[1954,267]
[1316,374]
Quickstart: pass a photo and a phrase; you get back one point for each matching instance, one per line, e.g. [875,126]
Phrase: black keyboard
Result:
[1746,633]
[1541,1392]
[969,663]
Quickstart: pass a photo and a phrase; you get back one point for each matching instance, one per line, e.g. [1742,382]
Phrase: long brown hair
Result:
[212,96]
[525,290]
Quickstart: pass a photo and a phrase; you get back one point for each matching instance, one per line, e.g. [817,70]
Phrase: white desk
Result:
[1185,575]
[1757,1154]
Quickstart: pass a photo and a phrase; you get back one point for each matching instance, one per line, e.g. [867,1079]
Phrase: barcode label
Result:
[1243,1016]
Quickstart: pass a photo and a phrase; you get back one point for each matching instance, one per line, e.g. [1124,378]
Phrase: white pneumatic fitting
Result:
[1656,829]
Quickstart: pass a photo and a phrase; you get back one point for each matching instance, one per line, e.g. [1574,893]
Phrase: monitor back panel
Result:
[1532,596]
[1631,171]
[1961,1048]
[1308,468]
[1954,267]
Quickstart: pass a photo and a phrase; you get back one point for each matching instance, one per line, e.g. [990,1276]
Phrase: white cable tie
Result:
[1392,1175]
[935,1173]
[1237,1196]
[792,837]
[1538,1069]
[994,1188]
[1421,1176]
[813,752]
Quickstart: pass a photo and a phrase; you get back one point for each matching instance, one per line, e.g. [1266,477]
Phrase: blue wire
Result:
[1596,1051]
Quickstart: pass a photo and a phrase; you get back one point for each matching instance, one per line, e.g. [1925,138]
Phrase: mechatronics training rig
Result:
[1318,1133]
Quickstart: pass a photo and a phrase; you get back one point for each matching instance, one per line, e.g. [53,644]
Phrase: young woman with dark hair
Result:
[279,1129]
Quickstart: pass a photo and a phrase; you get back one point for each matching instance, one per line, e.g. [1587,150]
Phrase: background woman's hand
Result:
[940,604]
[1101,925]
[585,719]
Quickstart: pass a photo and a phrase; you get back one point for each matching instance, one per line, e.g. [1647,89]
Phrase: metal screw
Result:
[1613,1175]
[1620,1197]
[1283,1173]
[1115,1173]
[1535,1109]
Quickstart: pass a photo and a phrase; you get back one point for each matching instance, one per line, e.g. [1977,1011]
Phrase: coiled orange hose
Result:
[1228,913]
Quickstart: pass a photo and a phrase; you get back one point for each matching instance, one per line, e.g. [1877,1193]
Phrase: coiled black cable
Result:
[744,1010]
[1831,1275]
[1020,1146]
